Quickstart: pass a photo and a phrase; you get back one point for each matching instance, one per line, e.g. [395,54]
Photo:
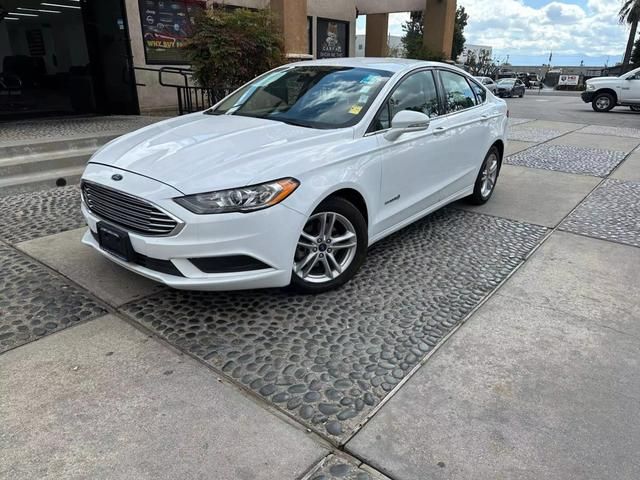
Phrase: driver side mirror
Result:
[407,121]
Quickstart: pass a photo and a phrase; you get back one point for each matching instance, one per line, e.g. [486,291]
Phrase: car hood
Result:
[601,79]
[199,153]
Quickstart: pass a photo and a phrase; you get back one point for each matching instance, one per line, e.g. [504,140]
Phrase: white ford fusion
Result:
[288,180]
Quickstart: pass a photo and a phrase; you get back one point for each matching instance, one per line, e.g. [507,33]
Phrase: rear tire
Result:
[603,102]
[487,178]
[331,249]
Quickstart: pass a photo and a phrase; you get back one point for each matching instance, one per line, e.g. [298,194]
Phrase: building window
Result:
[332,38]
[166,24]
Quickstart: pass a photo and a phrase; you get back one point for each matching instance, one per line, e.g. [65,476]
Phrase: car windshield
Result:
[308,96]
[507,81]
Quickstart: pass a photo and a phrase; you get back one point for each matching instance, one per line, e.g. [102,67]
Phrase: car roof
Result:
[392,65]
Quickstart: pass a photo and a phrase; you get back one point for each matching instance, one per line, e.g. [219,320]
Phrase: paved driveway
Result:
[541,380]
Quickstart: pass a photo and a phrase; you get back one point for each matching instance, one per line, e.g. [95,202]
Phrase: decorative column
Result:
[439,23]
[376,39]
[292,15]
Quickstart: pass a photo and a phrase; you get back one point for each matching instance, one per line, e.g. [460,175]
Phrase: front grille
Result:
[129,212]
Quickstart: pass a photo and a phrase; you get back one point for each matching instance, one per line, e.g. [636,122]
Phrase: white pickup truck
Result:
[604,93]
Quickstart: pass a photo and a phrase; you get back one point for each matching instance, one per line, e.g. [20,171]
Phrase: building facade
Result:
[103,56]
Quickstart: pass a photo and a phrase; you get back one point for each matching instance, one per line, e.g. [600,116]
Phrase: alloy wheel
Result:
[326,247]
[603,103]
[489,175]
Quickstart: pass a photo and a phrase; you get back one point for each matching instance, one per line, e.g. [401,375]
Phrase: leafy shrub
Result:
[230,47]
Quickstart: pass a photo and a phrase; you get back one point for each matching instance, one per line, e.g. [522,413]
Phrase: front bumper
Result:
[269,236]
[587,97]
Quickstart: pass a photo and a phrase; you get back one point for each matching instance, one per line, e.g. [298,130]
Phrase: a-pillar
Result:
[439,23]
[292,15]
[376,39]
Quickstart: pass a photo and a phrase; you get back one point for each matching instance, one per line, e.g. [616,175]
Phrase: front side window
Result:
[417,93]
[310,96]
[458,94]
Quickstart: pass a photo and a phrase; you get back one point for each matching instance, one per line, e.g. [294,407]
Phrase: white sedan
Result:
[291,178]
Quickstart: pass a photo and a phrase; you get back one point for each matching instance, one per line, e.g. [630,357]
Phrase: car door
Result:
[630,89]
[468,131]
[414,166]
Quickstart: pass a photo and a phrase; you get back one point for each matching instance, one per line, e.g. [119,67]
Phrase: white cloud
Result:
[511,26]
[562,27]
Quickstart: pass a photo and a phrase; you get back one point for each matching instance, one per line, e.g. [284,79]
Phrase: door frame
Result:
[95,57]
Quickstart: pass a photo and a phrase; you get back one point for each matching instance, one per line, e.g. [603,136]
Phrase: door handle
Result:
[439,130]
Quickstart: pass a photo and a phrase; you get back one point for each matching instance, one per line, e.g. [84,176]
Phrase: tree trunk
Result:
[630,42]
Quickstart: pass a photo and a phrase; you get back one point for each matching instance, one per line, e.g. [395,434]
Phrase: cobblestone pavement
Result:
[329,359]
[612,212]
[31,215]
[326,361]
[524,134]
[35,302]
[611,131]
[65,127]
[568,158]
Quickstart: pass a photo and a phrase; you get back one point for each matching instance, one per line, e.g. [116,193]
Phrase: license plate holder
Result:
[115,241]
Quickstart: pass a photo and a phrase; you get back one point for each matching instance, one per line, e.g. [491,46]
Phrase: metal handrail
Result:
[191,98]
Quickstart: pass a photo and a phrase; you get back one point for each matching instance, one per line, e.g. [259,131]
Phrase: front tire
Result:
[603,102]
[331,248]
[487,178]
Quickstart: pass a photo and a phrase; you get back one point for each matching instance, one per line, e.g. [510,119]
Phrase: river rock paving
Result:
[329,359]
[611,213]
[569,158]
[334,468]
[525,134]
[34,302]
[611,131]
[26,216]
[72,127]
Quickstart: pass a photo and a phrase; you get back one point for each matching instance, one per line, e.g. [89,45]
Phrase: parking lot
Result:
[498,341]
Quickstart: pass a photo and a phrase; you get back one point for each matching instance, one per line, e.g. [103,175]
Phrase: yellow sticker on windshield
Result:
[355,109]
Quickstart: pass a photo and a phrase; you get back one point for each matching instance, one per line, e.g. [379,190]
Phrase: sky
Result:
[528,30]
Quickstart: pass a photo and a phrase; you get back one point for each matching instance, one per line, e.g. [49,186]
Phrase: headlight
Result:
[243,199]
[590,86]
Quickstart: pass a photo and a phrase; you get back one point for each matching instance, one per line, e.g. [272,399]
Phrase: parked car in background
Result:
[488,83]
[288,180]
[604,93]
[510,87]
[534,80]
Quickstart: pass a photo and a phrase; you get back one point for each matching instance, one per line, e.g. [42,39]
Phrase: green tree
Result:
[459,40]
[481,65]
[230,47]
[635,56]
[412,40]
[629,14]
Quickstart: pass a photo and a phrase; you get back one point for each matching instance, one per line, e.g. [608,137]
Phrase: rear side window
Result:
[481,93]
[457,92]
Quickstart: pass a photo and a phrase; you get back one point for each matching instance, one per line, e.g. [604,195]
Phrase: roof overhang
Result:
[385,6]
